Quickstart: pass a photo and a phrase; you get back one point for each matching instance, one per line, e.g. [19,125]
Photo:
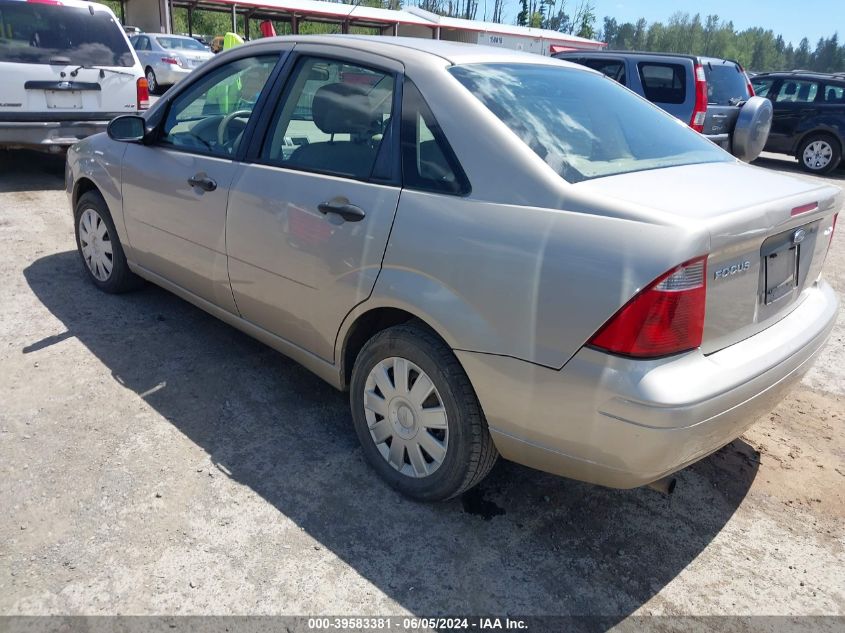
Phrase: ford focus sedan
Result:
[495,253]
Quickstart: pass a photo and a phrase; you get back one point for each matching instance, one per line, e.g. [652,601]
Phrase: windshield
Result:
[180,42]
[34,33]
[726,83]
[583,124]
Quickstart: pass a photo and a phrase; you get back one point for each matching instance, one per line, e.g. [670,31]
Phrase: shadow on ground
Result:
[28,171]
[523,543]
[788,164]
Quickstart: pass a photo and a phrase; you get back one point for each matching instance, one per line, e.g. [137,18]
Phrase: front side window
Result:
[663,83]
[210,117]
[333,119]
[36,33]
[584,125]
[796,91]
[428,162]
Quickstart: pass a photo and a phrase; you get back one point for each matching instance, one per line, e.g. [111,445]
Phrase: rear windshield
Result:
[726,83]
[583,124]
[180,42]
[35,33]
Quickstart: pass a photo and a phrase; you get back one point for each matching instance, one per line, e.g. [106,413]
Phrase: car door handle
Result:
[348,212]
[203,182]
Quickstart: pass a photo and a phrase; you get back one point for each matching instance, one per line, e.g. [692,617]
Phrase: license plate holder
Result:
[781,269]
[64,99]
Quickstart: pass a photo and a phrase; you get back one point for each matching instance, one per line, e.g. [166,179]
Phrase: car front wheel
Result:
[99,246]
[819,153]
[417,416]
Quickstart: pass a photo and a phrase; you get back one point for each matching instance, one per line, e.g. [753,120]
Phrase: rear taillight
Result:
[700,111]
[170,60]
[667,317]
[748,85]
[143,92]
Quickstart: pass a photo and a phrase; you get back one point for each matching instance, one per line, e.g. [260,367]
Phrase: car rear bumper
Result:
[49,134]
[170,74]
[623,423]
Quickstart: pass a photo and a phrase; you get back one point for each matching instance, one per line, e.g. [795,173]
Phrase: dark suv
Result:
[809,116]
[711,95]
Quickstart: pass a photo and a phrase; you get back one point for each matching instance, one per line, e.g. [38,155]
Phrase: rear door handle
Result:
[203,182]
[348,212]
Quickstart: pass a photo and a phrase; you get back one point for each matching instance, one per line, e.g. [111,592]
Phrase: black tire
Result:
[152,81]
[470,453]
[120,278]
[835,148]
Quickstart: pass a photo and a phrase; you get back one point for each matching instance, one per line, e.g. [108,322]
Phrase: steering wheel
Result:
[222,129]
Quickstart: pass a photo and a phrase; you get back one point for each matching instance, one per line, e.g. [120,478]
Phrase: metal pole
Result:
[246,24]
[123,12]
[395,29]
[294,24]
[234,18]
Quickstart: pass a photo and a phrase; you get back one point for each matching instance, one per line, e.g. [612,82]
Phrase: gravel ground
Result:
[155,461]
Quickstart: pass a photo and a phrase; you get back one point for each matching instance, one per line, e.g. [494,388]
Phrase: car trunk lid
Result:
[769,234]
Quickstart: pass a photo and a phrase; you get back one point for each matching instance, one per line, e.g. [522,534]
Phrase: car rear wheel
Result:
[819,153]
[99,246]
[152,82]
[417,416]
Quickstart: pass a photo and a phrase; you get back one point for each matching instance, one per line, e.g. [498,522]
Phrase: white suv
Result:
[67,69]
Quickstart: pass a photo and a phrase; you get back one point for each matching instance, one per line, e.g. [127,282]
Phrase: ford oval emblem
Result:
[799,236]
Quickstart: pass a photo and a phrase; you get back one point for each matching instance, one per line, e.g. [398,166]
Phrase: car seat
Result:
[341,108]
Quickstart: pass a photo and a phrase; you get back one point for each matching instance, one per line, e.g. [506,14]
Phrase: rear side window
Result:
[726,83]
[613,68]
[35,33]
[797,91]
[584,125]
[834,93]
[663,83]
[428,162]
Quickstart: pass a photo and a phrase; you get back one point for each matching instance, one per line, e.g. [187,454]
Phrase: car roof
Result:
[400,48]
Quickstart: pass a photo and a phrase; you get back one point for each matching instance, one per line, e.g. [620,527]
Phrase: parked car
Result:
[809,116]
[474,261]
[167,59]
[714,96]
[67,69]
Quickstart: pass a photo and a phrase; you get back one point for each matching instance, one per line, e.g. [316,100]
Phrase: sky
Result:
[793,19]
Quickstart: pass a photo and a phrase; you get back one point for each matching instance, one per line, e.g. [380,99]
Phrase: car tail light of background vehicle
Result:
[143,91]
[700,110]
[175,61]
[747,81]
[666,317]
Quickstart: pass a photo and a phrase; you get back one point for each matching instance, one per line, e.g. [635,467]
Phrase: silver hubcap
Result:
[818,154]
[151,80]
[96,244]
[406,417]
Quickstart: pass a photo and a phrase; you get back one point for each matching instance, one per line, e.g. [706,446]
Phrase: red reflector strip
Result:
[804,208]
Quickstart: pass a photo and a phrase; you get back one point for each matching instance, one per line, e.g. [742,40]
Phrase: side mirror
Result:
[129,128]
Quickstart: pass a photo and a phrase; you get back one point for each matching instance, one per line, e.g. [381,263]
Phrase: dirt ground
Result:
[155,461]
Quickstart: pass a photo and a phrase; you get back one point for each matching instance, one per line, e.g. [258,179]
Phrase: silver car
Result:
[495,253]
[168,59]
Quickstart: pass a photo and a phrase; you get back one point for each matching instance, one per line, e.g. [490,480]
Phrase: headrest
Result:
[342,108]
